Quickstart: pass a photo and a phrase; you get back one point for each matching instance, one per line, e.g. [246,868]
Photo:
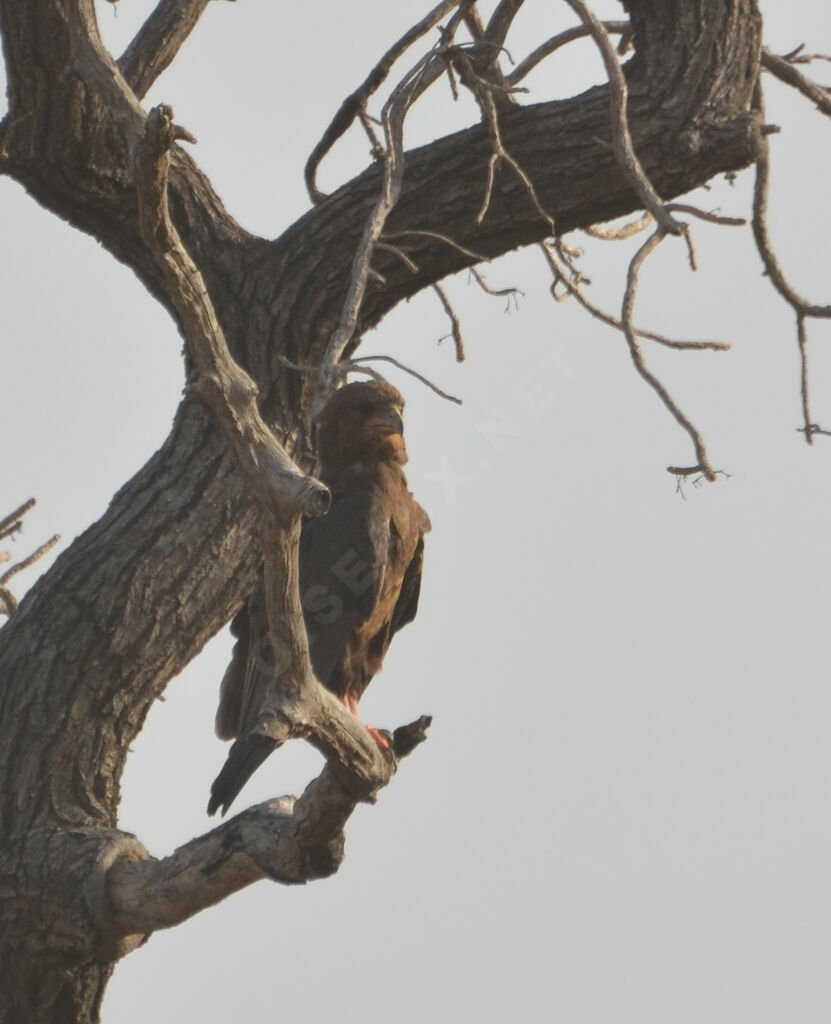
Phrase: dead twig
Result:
[438,237]
[30,560]
[703,463]
[455,326]
[803,309]
[573,290]
[619,234]
[11,525]
[557,42]
[355,103]
[158,41]
[636,226]
[410,264]
[13,522]
[483,93]
[428,69]
[358,364]
[355,365]
[621,137]
[783,69]
[509,293]
[707,215]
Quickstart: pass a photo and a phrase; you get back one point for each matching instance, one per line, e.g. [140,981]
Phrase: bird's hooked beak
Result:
[390,418]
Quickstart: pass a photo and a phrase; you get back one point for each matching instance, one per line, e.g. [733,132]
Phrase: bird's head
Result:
[362,422]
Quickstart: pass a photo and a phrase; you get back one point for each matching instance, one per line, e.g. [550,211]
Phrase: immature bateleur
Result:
[360,576]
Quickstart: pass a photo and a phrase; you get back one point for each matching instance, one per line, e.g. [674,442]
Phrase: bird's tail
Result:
[244,758]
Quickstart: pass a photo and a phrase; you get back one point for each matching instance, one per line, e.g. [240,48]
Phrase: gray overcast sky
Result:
[623,811]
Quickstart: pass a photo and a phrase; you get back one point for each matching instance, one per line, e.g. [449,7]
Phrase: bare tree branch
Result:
[500,293]
[619,234]
[556,43]
[707,215]
[355,103]
[500,22]
[360,360]
[9,526]
[800,305]
[437,236]
[30,560]
[703,464]
[573,289]
[420,77]
[783,69]
[273,478]
[287,840]
[761,234]
[158,41]
[455,326]
[13,522]
[621,137]
[802,337]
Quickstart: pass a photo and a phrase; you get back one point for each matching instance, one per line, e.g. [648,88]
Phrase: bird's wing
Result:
[233,682]
[343,559]
[407,604]
[343,556]
[253,667]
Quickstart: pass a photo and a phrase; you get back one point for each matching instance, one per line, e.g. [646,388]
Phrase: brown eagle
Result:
[360,577]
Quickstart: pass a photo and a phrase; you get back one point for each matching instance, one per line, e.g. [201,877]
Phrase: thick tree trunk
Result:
[136,597]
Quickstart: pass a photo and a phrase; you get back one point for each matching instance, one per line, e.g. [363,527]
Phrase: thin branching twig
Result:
[573,290]
[11,525]
[803,309]
[355,104]
[30,560]
[621,137]
[703,463]
[358,364]
[557,42]
[455,326]
[783,69]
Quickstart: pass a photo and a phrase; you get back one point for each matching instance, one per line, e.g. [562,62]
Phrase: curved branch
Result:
[145,895]
[355,103]
[703,464]
[562,39]
[621,135]
[286,840]
[763,243]
[230,393]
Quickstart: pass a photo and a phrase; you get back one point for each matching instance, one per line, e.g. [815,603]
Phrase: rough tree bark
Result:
[135,598]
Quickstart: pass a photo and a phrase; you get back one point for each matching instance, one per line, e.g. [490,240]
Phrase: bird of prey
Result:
[360,577]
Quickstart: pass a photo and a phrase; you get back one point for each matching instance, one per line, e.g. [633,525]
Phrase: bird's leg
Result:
[380,738]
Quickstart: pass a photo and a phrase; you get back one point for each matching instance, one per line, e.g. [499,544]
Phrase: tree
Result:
[115,647]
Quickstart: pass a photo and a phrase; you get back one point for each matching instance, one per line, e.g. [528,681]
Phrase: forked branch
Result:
[427,70]
[286,840]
